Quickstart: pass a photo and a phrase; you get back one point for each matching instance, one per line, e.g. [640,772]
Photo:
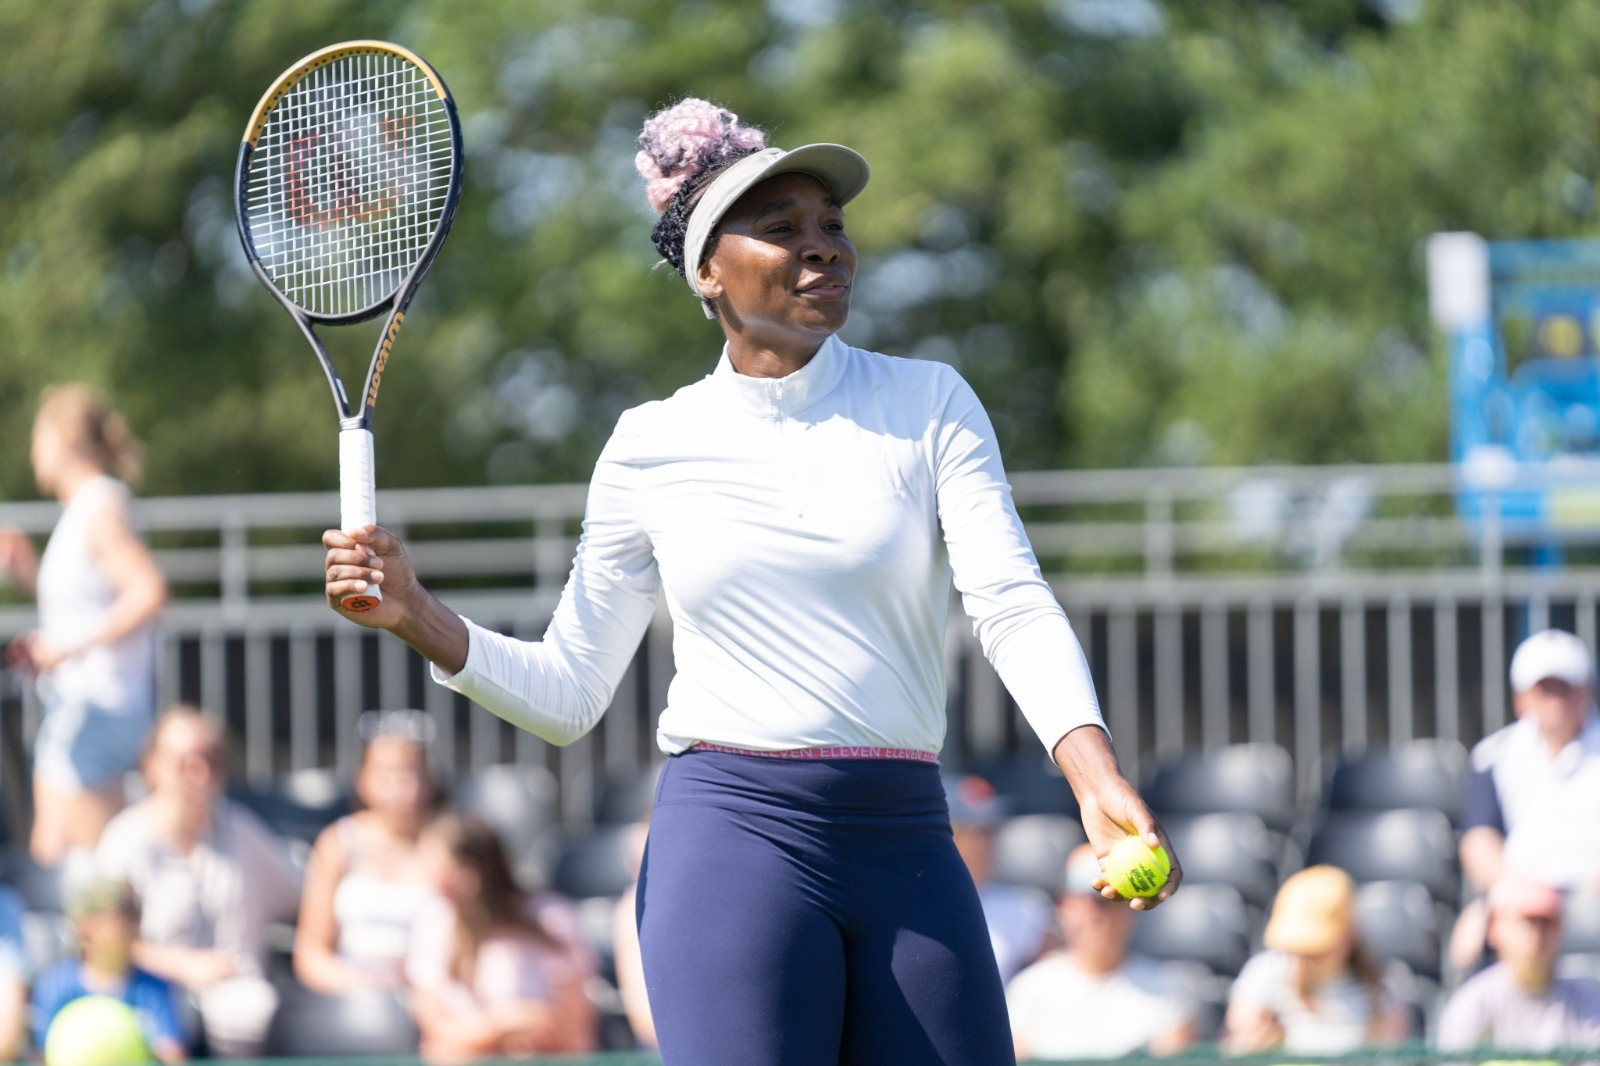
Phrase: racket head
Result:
[348,179]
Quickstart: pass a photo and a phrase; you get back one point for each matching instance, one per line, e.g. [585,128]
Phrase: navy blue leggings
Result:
[813,913]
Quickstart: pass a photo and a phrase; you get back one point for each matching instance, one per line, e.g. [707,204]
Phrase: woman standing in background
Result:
[99,592]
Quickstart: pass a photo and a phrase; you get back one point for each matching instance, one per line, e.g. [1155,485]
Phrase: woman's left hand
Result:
[1115,810]
[1111,808]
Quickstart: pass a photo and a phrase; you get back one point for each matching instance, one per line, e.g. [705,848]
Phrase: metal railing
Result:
[1317,608]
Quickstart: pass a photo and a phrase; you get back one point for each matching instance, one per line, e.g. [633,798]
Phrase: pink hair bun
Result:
[680,141]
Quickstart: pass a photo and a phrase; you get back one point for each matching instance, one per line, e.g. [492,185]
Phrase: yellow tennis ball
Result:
[95,1031]
[1134,868]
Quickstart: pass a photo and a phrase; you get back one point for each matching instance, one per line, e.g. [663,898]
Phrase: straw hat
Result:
[1314,910]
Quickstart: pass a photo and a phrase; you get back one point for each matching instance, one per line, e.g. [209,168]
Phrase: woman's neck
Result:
[756,360]
[73,476]
[183,821]
[402,830]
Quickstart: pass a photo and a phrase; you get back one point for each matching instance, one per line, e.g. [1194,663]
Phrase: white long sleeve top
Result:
[805,531]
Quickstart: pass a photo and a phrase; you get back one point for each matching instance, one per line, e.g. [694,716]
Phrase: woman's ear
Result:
[709,279]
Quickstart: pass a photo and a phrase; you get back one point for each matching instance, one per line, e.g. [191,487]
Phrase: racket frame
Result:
[357,489]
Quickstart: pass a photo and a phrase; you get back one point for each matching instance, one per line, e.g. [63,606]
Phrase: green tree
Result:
[1147,232]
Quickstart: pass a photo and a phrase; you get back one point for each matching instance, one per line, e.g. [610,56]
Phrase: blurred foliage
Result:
[1178,232]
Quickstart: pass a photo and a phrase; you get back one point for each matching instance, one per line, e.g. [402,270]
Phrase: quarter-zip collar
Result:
[789,395]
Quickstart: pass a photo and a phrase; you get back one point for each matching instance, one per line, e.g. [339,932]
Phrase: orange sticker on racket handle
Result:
[361,601]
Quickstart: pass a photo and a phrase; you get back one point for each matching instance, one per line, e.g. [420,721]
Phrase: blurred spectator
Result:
[493,971]
[1019,918]
[1519,1003]
[210,879]
[1547,760]
[15,973]
[1094,1000]
[365,882]
[99,592]
[625,948]
[1315,990]
[106,918]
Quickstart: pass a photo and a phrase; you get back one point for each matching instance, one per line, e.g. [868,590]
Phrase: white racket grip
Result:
[358,498]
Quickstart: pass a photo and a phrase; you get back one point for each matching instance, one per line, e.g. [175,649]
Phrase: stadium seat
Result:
[1226,848]
[520,803]
[597,864]
[1210,991]
[1028,782]
[1250,778]
[309,1025]
[1417,844]
[300,805]
[47,938]
[626,798]
[39,886]
[1399,922]
[1207,924]
[1580,933]
[1032,850]
[1423,773]
[1585,966]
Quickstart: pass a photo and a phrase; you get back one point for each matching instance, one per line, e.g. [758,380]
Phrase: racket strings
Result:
[349,180]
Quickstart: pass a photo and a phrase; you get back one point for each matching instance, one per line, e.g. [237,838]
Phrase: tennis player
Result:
[99,592]
[803,508]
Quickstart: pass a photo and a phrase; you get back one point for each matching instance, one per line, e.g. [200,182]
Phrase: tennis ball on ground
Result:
[1134,868]
[96,1031]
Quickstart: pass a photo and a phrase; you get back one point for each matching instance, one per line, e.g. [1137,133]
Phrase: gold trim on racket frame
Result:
[322,57]
[356,416]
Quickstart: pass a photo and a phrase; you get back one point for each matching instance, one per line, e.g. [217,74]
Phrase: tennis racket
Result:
[347,183]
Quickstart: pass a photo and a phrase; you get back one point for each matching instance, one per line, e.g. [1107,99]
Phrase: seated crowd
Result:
[183,911]
[175,909]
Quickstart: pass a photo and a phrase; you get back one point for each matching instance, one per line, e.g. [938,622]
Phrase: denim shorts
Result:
[85,748]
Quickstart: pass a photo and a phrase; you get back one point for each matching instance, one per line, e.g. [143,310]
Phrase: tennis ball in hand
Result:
[1134,868]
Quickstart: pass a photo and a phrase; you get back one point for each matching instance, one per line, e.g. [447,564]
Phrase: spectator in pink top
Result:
[493,970]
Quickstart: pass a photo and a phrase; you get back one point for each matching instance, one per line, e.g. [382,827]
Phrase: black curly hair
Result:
[672,227]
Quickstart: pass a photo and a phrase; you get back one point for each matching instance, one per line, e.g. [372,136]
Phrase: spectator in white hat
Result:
[1533,794]
[1519,1003]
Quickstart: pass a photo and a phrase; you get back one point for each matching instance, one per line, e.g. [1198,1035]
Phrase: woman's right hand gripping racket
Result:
[347,182]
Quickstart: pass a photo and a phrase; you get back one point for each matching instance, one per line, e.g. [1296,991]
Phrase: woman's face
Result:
[49,451]
[783,267]
[184,763]
[1330,963]
[394,781]
[450,877]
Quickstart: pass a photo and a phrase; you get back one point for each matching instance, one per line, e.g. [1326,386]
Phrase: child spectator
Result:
[210,878]
[365,883]
[493,971]
[1315,990]
[1094,1000]
[1519,1003]
[106,918]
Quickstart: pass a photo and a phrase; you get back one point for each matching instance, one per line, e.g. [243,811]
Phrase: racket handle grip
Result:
[358,500]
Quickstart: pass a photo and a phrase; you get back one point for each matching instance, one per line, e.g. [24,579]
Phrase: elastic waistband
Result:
[843,751]
[846,790]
